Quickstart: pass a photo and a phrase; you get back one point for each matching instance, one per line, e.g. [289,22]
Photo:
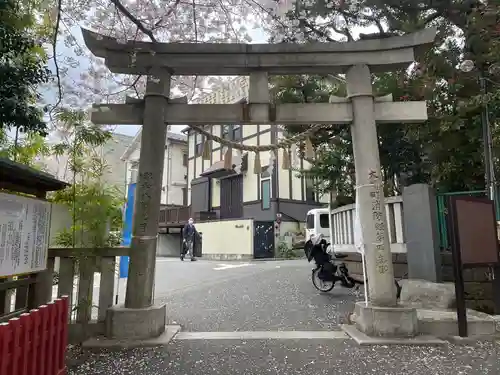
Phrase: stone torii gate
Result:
[159,61]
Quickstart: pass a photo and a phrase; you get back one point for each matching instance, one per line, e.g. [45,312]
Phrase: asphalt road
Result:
[256,296]
[207,296]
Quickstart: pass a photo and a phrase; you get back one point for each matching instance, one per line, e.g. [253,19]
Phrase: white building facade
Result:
[174,183]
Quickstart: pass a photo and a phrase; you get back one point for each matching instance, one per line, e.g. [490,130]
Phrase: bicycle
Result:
[328,272]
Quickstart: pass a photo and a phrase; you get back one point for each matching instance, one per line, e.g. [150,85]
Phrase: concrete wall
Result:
[111,152]
[60,219]
[477,286]
[227,239]
[169,245]
[289,233]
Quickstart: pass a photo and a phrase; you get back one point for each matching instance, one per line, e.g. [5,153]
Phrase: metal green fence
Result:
[442,202]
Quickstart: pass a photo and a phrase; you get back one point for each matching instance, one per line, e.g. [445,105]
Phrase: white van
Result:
[317,223]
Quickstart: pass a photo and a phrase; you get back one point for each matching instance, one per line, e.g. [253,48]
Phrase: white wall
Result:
[173,174]
[232,237]
[173,180]
[60,219]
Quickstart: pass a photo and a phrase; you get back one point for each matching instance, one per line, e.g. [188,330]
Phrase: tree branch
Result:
[318,31]
[56,64]
[432,17]
[169,12]
[138,23]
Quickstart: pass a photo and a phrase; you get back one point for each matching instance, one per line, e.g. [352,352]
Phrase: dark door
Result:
[231,197]
[198,245]
[263,239]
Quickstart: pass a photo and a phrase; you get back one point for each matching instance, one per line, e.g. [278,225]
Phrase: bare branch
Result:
[136,22]
[196,40]
[318,31]
[129,86]
[432,17]
[169,12]
[228,15]
[56,64]
[379,25]
[348,33]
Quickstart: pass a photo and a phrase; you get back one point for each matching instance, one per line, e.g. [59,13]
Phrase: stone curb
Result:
[275,259]
[237,260]
[496,318]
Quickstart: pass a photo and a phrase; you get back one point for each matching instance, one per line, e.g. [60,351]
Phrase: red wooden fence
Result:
[35,343]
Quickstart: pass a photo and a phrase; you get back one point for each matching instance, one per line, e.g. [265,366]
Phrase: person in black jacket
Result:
[188,234]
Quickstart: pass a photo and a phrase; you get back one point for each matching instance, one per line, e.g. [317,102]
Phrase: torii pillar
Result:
[139,318]
[369,187]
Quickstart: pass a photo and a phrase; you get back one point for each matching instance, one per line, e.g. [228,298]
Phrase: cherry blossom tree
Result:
[195,21]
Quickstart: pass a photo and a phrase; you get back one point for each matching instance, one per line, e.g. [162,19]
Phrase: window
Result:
[265,174]
[225,131]
[310,222]
[323,221]
[265,189]
[184,160]
[184,196]
[310,193]
[236,132]
[231,132]
[199,145]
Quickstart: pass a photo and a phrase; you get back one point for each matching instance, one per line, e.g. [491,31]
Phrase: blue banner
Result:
[127,229]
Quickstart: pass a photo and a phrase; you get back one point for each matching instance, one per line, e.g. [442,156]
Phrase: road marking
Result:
[263,335]
[229,266]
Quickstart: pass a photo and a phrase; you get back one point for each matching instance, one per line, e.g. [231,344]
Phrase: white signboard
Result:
[24,235]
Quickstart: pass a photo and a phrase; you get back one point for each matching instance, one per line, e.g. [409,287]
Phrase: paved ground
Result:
[262,296]
[268,296]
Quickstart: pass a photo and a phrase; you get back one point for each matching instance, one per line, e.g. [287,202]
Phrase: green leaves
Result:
[95,206]
[22,69]
[446,151]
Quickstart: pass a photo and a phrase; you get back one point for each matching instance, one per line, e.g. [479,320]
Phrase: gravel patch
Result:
[288,357]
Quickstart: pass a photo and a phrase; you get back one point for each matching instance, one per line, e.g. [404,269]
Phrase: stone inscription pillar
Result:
[140,283]
[380,273]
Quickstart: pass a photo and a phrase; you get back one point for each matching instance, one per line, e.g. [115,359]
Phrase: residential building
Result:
[244,194]
[253,201]
[174,182]
[110,152]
